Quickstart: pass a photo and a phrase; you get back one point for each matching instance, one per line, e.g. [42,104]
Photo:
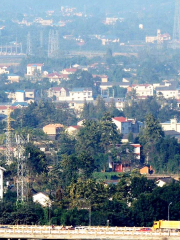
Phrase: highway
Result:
[46,232]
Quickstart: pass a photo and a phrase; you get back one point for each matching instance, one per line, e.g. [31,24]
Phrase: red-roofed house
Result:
[4,109]
[69,71]
[123,124]
[31,68]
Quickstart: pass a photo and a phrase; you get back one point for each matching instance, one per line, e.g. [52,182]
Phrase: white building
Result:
[3,70]
[123,124]
[168,92]
[1,182]
[19,96]
[35,67]
[80,94]
[173,124]
[143,90]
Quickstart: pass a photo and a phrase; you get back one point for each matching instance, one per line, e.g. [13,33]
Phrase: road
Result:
[46,232]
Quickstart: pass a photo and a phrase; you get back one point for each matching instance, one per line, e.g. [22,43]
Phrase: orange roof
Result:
[122,119]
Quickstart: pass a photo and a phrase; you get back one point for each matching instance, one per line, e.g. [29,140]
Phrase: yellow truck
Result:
[166,225]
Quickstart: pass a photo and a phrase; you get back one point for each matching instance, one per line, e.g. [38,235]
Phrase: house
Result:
[4,109]
[29,94]
[72,130]
[59,92]
[164,181]
[146,170]
[123,124]
[142,90]
[106,85]
[160,38]
[19,96]
[173,124]
[54,77]
[81,94]
[104,78]
[35,67]
[53,129]
[13,77]
[42,199]
[69,71]
[1,182]
[4,70]
[168,92]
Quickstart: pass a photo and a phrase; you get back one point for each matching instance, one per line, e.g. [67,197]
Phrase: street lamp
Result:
[168,209]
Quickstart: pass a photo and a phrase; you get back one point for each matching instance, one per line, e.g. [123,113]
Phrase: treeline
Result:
[134,201]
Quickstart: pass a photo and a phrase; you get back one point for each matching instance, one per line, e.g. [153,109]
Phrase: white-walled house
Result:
[173,124]
[143,90]
[80,94]
[123,124]
[168,92]
[1,182]
[31,68]
[20,95]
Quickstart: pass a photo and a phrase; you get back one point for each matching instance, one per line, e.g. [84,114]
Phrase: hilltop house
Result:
[35,67]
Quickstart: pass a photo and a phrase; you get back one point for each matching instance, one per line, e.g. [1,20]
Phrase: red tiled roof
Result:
[122,119]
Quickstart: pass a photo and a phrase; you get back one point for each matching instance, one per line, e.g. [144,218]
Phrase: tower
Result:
[53,44]
[29,45]
[9,157]
[41,39]
[176,29]
[21,169]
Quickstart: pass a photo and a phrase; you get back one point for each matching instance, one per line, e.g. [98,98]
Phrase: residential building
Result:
[165,181]
[19,96]
[160,38]
[142,90]
[173,124]
[35,67]
[168,92]
[53,130]
[4,70]
[1,182]
[81,94]
[13,77]
[29,94]
[59,92]
[69,71]
[123,124]
[4,109]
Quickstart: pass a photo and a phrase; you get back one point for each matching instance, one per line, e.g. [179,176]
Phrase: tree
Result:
[152,133]
[36,161]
